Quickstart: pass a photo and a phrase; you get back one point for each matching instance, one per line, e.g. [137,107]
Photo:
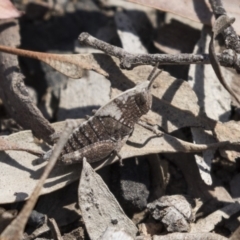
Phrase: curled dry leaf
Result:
[175,212]
[70,65]
[99,207]
[7,10]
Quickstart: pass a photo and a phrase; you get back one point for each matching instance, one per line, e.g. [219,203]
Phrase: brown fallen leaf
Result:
[70,65]
[195,10]
[7,10]
[99,207]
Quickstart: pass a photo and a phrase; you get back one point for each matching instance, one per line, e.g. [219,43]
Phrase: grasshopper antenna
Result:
[151,78]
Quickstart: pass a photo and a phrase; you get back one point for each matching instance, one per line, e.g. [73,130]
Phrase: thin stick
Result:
[128,60]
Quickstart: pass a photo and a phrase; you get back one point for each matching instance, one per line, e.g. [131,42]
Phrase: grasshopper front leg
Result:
[93,152]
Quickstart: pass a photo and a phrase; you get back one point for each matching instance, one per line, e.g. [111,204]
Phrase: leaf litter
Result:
[176,106]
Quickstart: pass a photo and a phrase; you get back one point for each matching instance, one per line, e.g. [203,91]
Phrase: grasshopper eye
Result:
[140,99]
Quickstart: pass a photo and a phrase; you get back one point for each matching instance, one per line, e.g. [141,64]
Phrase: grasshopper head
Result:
[143,96]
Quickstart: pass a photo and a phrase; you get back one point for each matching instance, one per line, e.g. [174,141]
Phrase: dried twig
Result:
[128,60]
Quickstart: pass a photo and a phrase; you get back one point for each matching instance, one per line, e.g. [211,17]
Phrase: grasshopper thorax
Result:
[129,106]
[143,96]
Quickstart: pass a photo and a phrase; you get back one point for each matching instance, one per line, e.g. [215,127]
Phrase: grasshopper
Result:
[106,132]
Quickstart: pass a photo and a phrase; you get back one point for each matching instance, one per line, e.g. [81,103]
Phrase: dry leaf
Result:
[195,10]
[70,65]
[16,228]
[99,207]
[7,10]
[28,169]
[174,211]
